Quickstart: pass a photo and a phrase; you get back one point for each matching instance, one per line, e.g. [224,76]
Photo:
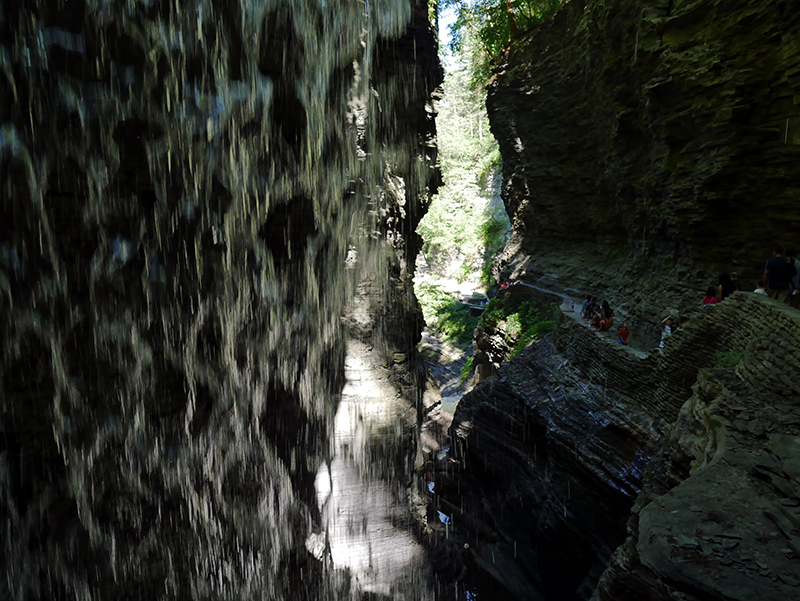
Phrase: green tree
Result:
[466,222]
[484,28]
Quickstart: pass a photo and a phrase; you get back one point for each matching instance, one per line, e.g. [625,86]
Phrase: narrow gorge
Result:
[211,383]
[647,147]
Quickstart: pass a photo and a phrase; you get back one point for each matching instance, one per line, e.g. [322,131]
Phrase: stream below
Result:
[367,516]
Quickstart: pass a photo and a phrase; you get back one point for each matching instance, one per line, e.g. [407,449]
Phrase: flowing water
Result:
[366,516]
[191,193]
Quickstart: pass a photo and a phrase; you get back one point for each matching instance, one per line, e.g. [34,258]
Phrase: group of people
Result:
[781,280]
[601,317]
[724,288]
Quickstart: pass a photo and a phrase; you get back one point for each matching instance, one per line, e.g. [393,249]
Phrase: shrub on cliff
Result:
[446,315]
[728,358]
[520,326]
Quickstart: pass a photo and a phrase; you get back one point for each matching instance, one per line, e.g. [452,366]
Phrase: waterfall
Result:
[192,194]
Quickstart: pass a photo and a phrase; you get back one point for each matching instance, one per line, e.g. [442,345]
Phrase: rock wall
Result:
[649,144]
[192,193]
[566,439]
[719,514]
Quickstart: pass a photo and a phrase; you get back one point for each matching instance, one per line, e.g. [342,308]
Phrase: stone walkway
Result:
[569,309]
[444,362]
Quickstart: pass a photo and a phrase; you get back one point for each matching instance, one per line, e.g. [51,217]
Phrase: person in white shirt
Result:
[668,327]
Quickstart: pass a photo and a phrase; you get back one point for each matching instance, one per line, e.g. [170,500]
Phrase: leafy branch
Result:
[483,29]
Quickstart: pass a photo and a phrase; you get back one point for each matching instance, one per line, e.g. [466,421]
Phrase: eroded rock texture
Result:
[651,144]
[191,193]
[719,514]
[646,146]
[557,449]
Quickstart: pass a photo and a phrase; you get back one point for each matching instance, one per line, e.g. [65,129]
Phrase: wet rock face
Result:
[191,193]
[551,467]
[645,148]
[668,127]
[589,470]
[720,514]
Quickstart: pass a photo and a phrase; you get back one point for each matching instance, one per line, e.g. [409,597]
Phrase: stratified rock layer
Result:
[567,438]
[647,145]
[719,515]
[652,143]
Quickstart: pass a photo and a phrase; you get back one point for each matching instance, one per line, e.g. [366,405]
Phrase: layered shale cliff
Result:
[646,146]
[649,144]
[673,477]
[192,193]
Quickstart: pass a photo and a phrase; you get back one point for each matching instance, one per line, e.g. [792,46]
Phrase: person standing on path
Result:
[778,273]
[624,332]
[668,328]
[726,286]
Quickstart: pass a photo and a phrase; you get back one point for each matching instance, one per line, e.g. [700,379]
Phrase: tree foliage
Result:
[484,28]
[451,319]
[466,222]
[521,325]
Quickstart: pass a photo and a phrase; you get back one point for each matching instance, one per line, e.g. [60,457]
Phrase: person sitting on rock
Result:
[668,327]
[608,314]
[601,326]
[624,332]
[711,296]
[588,312]
[761,288]
[726,286]
[599,322]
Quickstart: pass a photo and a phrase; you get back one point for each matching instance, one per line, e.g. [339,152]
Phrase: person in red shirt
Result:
[710,298]
[624,332]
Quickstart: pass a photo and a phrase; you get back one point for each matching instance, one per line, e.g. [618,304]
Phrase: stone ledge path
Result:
[568,308]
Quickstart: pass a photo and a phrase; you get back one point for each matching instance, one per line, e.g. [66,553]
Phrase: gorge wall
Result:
[590,470]
[647,145]
[652,142]
[192,193]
